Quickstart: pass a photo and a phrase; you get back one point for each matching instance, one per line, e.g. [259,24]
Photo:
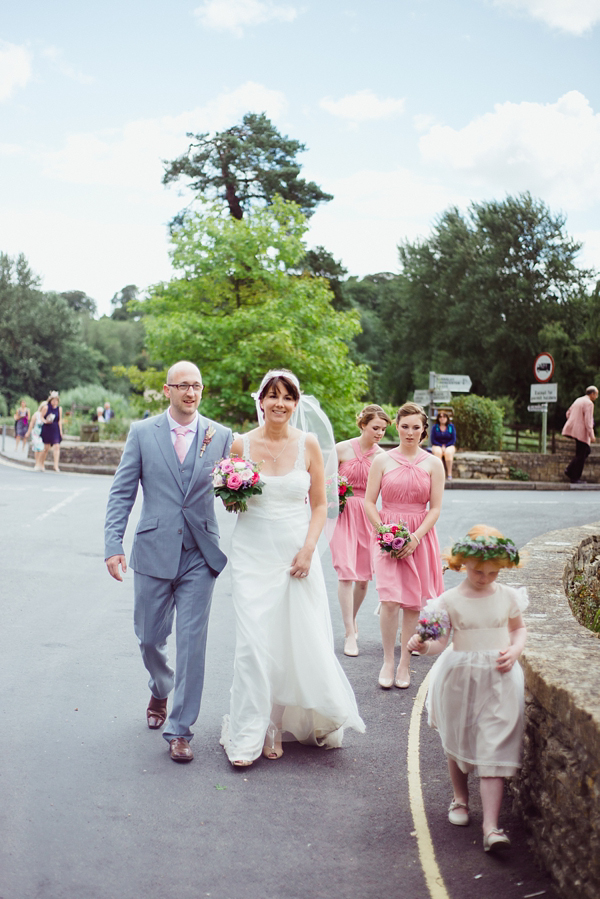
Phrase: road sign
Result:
[543,368]
[454,383]
[541,407]
[543,393]
[424,397]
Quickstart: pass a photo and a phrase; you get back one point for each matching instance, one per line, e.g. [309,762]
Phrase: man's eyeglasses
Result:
[183,388]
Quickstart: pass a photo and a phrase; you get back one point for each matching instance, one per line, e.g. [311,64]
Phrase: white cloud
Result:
[131,157]
[550,149]
[373,212]
[234,15]
[363,106]
[15,68]
[573,16]
[55,56]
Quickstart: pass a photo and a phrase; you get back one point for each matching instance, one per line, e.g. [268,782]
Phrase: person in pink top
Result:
[411,483]
[352,540]
[580,426]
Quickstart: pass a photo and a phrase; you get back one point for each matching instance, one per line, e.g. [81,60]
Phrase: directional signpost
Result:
[543,392]
[423,397]
[454,383]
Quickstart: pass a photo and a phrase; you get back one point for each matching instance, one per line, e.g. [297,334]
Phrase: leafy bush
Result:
[3,406]
[478,422]
[90,396]
[584,600]
[517,474]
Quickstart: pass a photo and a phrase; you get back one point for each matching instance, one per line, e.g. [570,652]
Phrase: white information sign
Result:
[541,407]
[543,393]
[454,383]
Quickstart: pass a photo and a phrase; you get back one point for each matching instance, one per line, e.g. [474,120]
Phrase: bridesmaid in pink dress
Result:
[408,479]
[352,541]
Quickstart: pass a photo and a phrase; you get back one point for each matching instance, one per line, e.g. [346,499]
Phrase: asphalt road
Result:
[91,806]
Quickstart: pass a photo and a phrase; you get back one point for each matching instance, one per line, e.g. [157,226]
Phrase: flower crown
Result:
[487,548]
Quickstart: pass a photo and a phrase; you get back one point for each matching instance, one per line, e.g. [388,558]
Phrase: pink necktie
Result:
[181,443]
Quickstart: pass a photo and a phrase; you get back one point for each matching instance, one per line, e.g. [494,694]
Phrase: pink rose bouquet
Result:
[392,537]
[342,486]
[234,480]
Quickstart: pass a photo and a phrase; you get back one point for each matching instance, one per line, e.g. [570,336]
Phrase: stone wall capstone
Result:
[558,789]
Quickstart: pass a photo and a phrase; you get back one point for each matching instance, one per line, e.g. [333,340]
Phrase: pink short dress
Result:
[353,541]
[405,492]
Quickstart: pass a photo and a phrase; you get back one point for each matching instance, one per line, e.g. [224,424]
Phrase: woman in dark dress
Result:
[52,428]
[443,440]
[21,417]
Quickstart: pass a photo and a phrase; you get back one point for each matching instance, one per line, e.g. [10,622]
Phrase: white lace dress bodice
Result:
[284,655]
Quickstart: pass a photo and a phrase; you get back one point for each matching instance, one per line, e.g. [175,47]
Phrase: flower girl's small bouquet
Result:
[432,624]
[342,486]
[392,537]
[234,480]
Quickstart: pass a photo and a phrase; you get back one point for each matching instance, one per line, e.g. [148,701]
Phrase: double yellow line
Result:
[433,877]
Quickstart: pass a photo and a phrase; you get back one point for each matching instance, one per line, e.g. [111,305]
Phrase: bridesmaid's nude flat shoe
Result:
[401,684]
[385,682]
[350,650]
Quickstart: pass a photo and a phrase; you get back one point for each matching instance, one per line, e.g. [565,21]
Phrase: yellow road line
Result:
[433,877]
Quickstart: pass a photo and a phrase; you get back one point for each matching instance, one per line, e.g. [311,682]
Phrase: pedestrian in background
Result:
[35,430]
[108,412]
[52,433]
[443,440]
[21,417]
[580,427]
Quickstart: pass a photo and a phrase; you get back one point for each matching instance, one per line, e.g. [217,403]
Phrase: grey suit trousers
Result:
[189,594]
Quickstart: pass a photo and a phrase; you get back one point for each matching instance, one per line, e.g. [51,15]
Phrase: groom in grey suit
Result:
[175,555]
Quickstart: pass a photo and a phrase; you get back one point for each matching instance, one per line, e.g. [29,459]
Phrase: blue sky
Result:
[406,107]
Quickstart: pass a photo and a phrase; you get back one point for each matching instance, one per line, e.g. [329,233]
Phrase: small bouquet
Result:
[392,537]
[234,480]
[432,624]
[342,486]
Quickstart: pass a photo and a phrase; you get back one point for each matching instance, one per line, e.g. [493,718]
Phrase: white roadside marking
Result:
[60,505]
[433,877]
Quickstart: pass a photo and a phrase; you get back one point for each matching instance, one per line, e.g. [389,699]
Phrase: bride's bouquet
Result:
[234,480]
[342,486]
[392,537]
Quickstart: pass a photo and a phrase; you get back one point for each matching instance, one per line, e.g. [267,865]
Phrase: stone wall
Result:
[102,458]
[558,789]
[496,466]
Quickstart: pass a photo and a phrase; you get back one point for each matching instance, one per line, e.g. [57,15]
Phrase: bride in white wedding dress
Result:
[287,682]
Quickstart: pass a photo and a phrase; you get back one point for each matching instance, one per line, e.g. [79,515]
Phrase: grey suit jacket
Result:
[149,459]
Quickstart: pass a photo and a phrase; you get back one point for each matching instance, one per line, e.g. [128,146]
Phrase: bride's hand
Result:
[301,563]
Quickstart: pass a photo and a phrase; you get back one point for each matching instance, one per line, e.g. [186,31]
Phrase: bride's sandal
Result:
[272,749]
[242,763]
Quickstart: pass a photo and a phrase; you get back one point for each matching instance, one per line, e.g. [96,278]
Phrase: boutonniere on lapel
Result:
[207,438]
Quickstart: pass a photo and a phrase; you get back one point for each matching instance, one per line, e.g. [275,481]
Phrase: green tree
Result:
[240,309]
[244,165]
[79,301]
[478,296]
[124,303]
[117,342]
[41,345]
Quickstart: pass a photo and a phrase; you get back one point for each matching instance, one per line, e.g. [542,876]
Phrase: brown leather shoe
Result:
[180,750]
[156,713]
